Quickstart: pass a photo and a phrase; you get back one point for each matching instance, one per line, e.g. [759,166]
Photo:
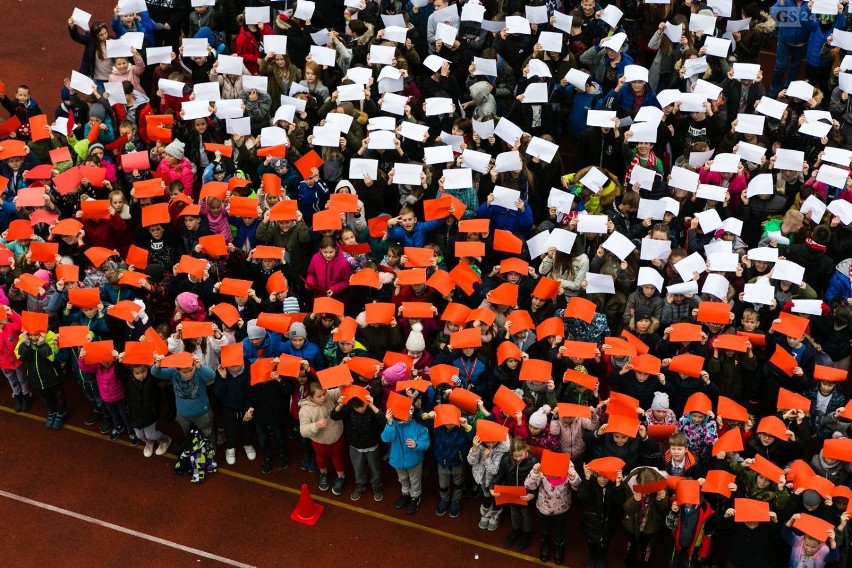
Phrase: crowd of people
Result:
[349,232]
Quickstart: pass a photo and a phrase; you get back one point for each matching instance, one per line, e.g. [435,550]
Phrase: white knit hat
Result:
[539,417]
[661,401]
[415,342]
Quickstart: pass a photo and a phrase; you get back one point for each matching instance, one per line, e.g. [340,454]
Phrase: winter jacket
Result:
[248,47]
[39,361]
[133,73]
[182,172]
[310,413]
[450,445]
[190,395]
[363,430]
[110,386]
[395,435]
[295,241]
[596,59]
[512,472]
[817,36]
[326,275]
[571,435]
[600,510]
[792,16]
[751,546]
[143,401]
[310,352]
[418,236]
[517,222]
[840,283]
[269,401]
[647,515]
[272,346]
[835,401]
[8,341]
[233,390]
[554,495]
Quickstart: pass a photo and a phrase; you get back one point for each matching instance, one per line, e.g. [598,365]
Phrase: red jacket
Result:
[248,47]
[705,511]
[112,233]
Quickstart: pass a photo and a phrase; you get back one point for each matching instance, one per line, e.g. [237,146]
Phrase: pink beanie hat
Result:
[43,274]
[187,302]
[395,373]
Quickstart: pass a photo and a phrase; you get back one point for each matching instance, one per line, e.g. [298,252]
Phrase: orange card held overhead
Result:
[508,401]
[555,464]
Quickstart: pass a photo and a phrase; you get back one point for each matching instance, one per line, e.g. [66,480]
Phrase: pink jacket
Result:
[109,385]
[571,436]
[329,275]
[181,172]
[9,338]
[133,73]
[736,185]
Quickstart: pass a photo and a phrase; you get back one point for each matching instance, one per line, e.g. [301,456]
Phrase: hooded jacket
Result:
[310,413]
[395,435]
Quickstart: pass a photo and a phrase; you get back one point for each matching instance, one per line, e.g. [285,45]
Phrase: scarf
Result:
[650,163]
[815,245]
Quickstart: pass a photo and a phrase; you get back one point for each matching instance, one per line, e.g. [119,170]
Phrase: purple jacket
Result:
[329,275]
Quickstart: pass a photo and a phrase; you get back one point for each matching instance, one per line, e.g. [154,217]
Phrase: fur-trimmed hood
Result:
[765,23]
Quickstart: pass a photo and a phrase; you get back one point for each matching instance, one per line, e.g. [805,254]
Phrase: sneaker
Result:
[442,508]
[378,493]
[359,490]
[323,481]
[51,417]
[163,447]
[338,485]
[106,425]
[94,417]
[19,403]
[59,422]
[220,437]
[134,441]
[266,466]
[313,468]
[305,464]
[401,502]
[455,509]
[250,453]
[413,505]
[149,449]
[512,538]
[26,402]
[230,456]
[524,542]
[283,462]
[116,432]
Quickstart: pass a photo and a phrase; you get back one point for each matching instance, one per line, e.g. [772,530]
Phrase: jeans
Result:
[204,423]
[411,480]
[451,477]
[118,412]
[361,461]
[787,58]
[150,435]
[263,440]
[17,381]
[553,525]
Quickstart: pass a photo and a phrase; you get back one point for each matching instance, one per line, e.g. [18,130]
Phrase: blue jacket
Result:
[450,445]
[517,222]
[840,285]
[817,37]
[312,200]
[625,97]
[309,351]
[401,456]
[244,232]
[418,237]
[98,326]
[144,25]
[190,396]
[289,181]
[273,346]
[791,19]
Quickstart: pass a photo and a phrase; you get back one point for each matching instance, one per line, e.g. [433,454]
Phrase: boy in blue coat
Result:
[408,231]
[452,442]
[408,443]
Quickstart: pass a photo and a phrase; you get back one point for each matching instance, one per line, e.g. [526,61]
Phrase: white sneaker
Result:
[250,453]
[231,456]
[149,449]
[164,446]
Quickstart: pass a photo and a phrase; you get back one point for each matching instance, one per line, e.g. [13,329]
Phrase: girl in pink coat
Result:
[175,165]
[328,271]
[112,393]
[123,70]
[10,328]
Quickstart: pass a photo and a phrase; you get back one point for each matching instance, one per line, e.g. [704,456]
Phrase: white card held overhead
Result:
[750,123]
[789,271]
[709,220]
[560,199]
[538,68]
[594,180]
[229,108]
[815,207]
[716,286]
[458,178]
[486,67]
[674,32]
[601,118]
[718,245]
[649,114]
[592,224]
[643,176]
[238,126]
[832,176]
[654,249]
[770,107]
[841,39]
[693,67]
[750,152]
[599,283]
[258,83]
[157,55]
[737,25]
[416,132]
[800,90]
[117,48]
[839,156]
[304,9]
[508,131]
[711,193]
[81,18]
[644,132]
[127,7]
[395,34]
[717,46]
[472,12]
[195,109]
[358,168]
[376,123]
[759,293]
[611,15]
[382,54]
[550,41]
[761,184]
[789,159]
[725,163]
[535,93]
[810,307]
[273,136]
[561,240]
[721,7]
[577,79]
[447,34]
[763,254]
[115,92]
[841,209]
[407,174]
[635,73]
[326,136]
[477,161]
[536,14]
[733,225]
[706,24]
[723,261]
[619,245]
[435,106]
[682,178]
[434,63]
[381,140]
[484,129]
[323,55]
[541,149]
[650,277]
[343,121]
[537,244]
[683,288]
[193,47]
[169,87]
[746,71]
[687,267]
[698,159]
[350,93]
[654,209]
[614,42]
[828,7]
[207,91]
[517,25]
[815,128]
[285,113]
[505,197]
[437,154]
[275,44]
[230,65]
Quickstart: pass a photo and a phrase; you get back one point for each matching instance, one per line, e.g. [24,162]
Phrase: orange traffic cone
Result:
[306,512]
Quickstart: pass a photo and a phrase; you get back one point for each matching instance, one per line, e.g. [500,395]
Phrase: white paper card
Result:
[619,245]
[81,18]
[592,224]
[643,176]
[193,47]
[230,65]
[760,184]
[417,132]
[789,159]
[407,174]
[382,140]
[763,254]
[648,275]
[239,126]
[359,167]
[304,9]
[434,106]
[682,178]
[323,55]
[686,267]
[438,154]
[770,107]
[654,249]
[599,283]
[759,293]
[709,220]
[275,44]
[505,197]
[789,271]
[830,175]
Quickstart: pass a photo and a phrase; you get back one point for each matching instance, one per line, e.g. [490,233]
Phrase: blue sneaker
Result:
[313,468]
[455,509]
[442,508]
[51,418]
[306,463]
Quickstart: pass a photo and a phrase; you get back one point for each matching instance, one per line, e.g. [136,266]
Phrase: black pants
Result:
[234,426]
[553,525]
[639,545]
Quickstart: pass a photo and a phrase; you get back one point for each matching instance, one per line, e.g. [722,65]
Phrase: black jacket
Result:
[512,472]
[363,431]
[143,401]
[601,512]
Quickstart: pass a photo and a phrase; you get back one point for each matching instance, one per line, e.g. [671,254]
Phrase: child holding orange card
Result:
[408,443]
[325,433]
[515,466]
[553,479]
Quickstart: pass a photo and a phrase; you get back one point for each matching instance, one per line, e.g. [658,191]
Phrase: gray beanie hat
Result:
[97,111]
[175,148]
[297,329]
[95,146]
[254,331]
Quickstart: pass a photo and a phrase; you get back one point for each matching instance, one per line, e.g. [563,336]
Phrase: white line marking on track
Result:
[125,530]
